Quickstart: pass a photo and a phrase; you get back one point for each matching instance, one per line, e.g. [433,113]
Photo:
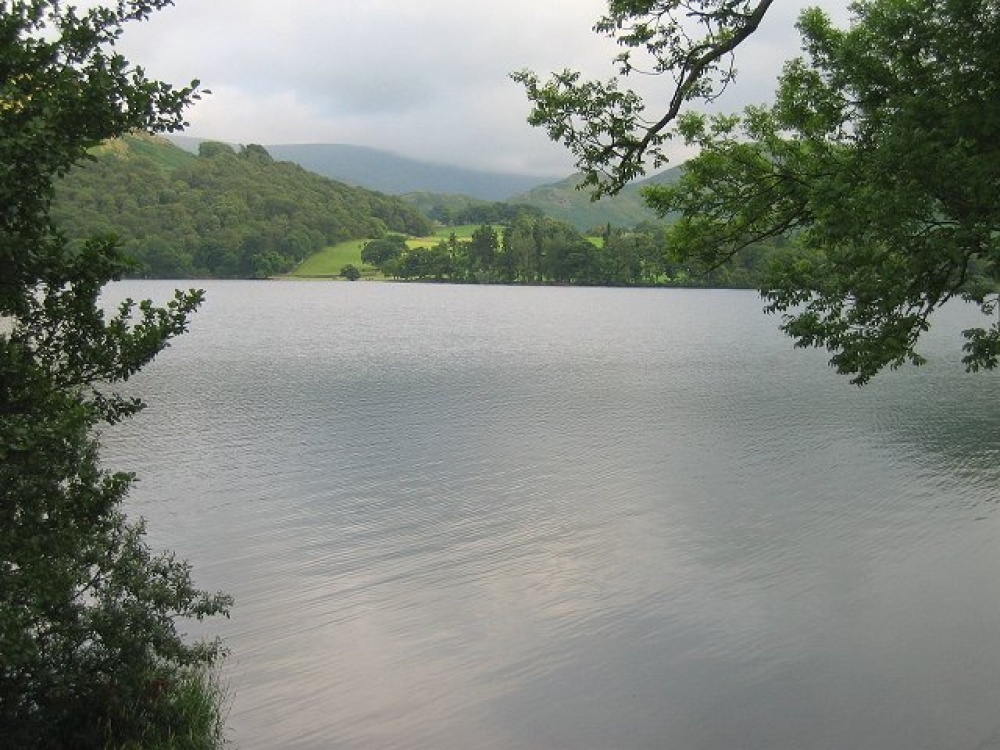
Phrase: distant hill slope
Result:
[430,186]
[390,173]
[224,213]
[562,200]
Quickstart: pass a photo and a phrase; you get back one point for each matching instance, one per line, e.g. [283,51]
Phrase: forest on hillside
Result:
[222,213]
[237,213]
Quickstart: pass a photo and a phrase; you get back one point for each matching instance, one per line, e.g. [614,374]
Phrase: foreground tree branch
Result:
[878,163]
[607,128]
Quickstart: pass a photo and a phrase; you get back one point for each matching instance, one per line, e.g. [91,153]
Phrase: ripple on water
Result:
[522,518]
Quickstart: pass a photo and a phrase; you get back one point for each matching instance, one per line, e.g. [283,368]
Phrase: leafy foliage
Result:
[562,200]
[380,252]
[91,654]
[534,249]
[607,127]
[881,158]
[463,209]
[224,213]
[566,201]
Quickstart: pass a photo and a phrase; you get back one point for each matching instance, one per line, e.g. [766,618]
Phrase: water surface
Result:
[531,518]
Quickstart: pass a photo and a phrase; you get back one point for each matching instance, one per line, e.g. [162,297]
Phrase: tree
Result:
[607,128]
[90,651]
[350,272]
[211,149]
[879,161]
[255,152]
[482,251]
[383,251]
[880,158]
[425,263]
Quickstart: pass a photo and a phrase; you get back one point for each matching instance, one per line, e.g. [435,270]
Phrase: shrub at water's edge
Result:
[189,714]
[91,650]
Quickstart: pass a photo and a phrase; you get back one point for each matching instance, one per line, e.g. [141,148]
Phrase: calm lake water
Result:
[573,519]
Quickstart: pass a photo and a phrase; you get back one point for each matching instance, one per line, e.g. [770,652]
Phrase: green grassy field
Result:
[328,261]
[462,232]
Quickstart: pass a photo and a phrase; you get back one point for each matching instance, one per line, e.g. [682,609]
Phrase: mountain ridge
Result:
[429,185]
[394,174]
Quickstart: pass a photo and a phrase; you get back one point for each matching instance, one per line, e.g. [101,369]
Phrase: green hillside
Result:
[559,200]
[155,149]
[444,193]
[442,206]
[236,212]
[562,200]
[222,213]
[388,172]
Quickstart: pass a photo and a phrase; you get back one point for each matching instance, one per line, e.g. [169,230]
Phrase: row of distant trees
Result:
[533,249]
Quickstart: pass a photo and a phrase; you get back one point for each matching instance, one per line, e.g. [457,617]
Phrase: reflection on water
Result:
[510,518]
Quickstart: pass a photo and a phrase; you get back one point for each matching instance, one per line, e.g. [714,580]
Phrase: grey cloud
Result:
[428,79]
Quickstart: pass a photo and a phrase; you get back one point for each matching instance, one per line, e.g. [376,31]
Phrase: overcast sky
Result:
[423,78]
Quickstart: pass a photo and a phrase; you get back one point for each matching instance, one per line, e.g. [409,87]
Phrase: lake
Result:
[566,519]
